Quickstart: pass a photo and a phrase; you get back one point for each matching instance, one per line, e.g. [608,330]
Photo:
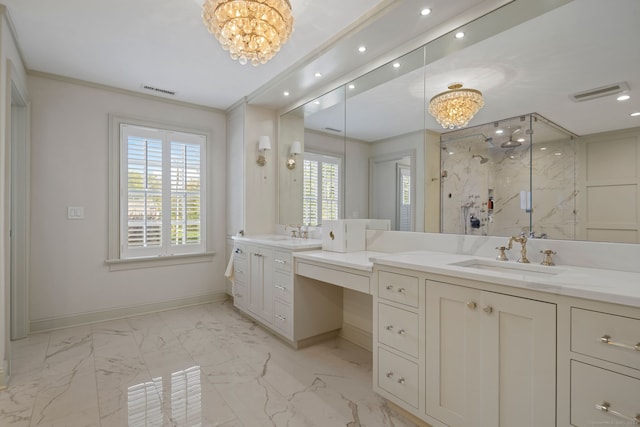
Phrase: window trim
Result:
[114,258]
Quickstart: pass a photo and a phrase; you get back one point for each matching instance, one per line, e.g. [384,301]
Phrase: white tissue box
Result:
[344,235]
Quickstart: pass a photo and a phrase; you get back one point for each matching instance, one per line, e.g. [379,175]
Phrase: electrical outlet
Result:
[75,212]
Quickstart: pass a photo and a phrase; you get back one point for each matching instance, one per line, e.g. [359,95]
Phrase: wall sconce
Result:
[264,144]
[296,148]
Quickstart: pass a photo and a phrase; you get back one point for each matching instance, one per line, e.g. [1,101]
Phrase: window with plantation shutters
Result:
[162,192]
[321,188]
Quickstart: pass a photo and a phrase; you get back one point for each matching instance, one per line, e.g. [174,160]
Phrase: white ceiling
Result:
[164,44]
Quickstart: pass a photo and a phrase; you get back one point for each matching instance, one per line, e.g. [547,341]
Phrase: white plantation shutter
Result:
[162,192]
[321,188]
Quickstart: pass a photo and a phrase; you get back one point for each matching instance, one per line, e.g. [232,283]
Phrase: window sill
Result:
[158,261]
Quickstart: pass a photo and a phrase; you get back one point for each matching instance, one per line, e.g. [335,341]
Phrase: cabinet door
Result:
[453,354]
[519,368]
[261,284]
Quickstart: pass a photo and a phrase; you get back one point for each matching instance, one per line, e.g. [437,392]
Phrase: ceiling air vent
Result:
[599,92]
[158,90]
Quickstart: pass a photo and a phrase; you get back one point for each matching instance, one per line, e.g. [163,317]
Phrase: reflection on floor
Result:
[198,366]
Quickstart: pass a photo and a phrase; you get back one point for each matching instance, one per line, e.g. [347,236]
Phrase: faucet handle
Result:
[547,260]
[501,255]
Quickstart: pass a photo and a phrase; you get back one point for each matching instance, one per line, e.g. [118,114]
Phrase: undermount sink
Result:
[509,267]
[276,238]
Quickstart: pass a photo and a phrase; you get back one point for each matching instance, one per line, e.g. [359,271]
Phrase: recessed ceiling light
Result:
[459,34]
[285,93]
[499,131]
[426,11]
[558,154]
[636,114]
[396,65]
[362,49]
[352,86]
[543,148]
[521,139]
[623,97]
[318,75]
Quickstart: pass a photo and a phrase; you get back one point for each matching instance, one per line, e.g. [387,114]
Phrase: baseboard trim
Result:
[357,336]
[120,313]
[4,378]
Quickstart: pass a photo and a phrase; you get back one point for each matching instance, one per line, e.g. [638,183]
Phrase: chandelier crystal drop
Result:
[251,30]
[454,108]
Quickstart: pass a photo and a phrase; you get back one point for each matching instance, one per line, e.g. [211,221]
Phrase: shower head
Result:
[483,159]
[510,143]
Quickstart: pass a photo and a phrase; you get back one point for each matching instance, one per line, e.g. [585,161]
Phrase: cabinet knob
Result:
[238,251]
[472,305]
[401,381]
[389,327]
[488,309]
[402,332]
[401,290]
[389,374]
[389,287]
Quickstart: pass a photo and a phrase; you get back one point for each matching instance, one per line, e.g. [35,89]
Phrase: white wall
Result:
[70,168]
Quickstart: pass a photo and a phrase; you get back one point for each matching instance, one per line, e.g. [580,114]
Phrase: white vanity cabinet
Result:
[603,359]
[457,353]
[490,358]
[298,309]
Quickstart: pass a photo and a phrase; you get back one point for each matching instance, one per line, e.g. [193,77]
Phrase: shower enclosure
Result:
[509,177]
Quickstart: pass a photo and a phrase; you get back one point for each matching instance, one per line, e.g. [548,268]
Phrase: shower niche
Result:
[508,177]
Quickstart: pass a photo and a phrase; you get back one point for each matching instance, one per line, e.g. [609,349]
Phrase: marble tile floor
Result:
[198,366]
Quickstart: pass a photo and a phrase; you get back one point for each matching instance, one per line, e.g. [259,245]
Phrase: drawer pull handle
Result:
[389,287]
[401,381]
[279,261]
[472,305]
[280,288]
[488,309]
[606,339]
[389,374]
[606,407]
[281,318]
[401,291]
[238,251]
[389,327]
[402,332]
[258,255]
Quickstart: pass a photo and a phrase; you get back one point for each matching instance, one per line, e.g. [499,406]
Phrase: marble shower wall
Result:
[469,184]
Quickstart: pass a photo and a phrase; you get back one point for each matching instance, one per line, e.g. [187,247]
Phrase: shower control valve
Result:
[502,256]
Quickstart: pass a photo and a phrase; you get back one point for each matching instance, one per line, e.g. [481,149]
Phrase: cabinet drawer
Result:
[398,328]
[282,318]
[398,376]
[240,295]
[282,286]
[594,389]
[282,261]
[606,336]
[398,288]
[240,270]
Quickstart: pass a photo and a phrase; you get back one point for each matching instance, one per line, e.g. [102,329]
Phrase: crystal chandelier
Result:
[454,108]
[251,30]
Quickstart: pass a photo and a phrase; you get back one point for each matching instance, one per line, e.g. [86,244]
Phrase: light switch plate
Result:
[75,212]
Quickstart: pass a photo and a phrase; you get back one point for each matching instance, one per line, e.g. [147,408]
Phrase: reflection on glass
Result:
[145,400]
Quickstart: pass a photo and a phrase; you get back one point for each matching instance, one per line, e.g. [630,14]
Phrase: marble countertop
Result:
[360,260]
[281,241]
[619,287]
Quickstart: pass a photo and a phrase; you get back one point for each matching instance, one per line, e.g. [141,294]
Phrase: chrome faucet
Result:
[295,232]
[522,239]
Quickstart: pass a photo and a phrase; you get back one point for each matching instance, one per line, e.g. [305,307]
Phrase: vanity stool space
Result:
[301,312]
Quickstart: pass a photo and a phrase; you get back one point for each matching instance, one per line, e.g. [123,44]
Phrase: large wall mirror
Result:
[549,79]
